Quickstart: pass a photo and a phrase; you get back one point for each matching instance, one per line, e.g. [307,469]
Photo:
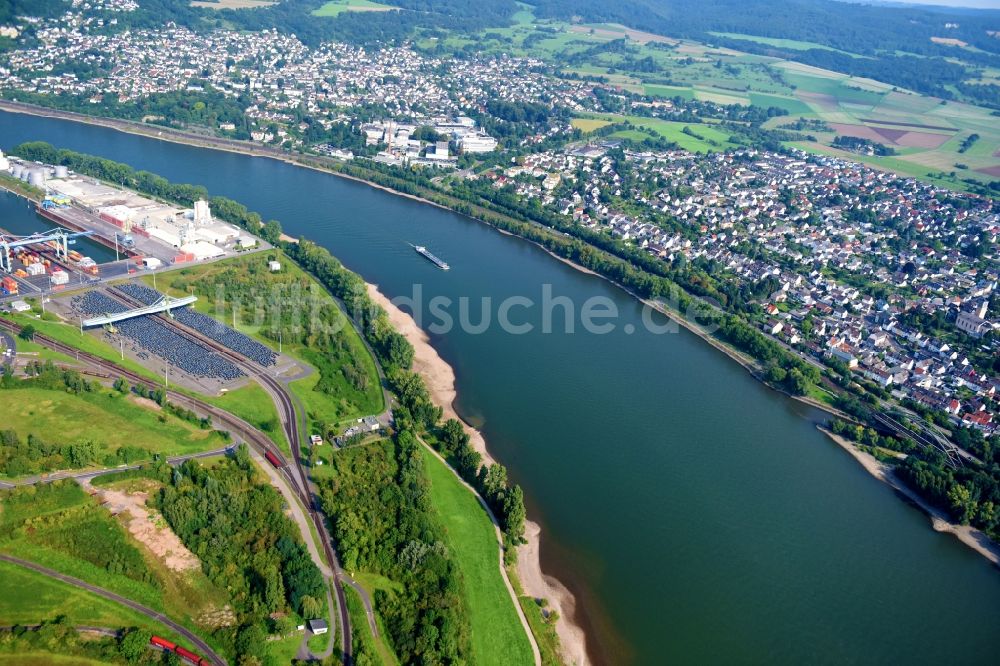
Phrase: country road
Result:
[201,645]
[94,473]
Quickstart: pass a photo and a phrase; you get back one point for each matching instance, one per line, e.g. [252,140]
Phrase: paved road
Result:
[292,417]
[8,342]
[199,644]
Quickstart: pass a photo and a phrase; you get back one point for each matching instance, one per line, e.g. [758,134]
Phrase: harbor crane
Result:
[62,238]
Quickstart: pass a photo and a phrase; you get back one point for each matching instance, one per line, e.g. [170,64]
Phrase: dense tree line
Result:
[247,545]
[383,522]
[59,637]
[22,456]
[180,108]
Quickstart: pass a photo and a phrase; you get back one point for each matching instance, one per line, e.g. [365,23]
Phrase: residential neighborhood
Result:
[851,266]
[855,263]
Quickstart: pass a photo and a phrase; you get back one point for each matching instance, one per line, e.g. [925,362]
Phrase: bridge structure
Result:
[165,304]
[63,239]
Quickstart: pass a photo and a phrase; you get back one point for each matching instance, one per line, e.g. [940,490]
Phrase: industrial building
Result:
[194,233]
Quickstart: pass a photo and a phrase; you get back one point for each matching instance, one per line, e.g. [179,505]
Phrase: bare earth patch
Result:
[222,617]
[922,140]
[146,402]
[149,528]
[948,41]
[859,131]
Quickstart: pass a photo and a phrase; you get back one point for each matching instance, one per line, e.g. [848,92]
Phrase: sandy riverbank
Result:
[440,380]
[970,536]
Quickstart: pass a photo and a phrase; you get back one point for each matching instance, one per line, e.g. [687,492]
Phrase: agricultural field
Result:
[926,133]
[590,124]
[337,7]
[497,634]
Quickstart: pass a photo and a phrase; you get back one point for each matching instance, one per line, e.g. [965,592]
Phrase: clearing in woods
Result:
[233,4]
[336,7]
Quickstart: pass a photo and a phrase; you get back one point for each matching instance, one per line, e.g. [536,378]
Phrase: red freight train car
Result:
[192,657]
[273,459]
[163,643]
[185,654]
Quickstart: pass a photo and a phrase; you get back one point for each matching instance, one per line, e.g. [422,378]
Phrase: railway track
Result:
[201,645]
[236,425]
[250,434]
[289,416]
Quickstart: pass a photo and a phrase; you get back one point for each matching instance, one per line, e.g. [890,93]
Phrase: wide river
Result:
[698,516]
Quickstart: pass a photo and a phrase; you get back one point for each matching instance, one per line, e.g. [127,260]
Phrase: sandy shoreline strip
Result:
[440,380]
[970,536]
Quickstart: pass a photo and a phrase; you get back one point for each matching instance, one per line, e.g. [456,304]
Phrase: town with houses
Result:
[283,78]
[807,220]
[856,256]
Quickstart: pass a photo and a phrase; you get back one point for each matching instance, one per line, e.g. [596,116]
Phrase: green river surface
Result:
[698,516]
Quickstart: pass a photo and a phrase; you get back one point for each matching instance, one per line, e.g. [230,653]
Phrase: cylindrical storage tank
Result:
[16,170]
[61,171]
[36,178]
[25,174]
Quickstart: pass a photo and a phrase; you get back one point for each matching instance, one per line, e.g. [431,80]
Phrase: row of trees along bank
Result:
[634,269]
[416,410]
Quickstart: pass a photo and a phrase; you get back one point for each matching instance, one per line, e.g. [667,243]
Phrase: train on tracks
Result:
[183,653]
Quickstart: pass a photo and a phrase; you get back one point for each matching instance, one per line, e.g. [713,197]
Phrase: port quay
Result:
[145,235]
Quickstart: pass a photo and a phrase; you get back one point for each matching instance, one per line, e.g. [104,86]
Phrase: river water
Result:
[18,216]
[698,516]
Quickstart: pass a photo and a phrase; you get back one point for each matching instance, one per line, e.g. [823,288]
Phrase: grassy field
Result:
[337,7]
[62,527]
[36,351]
[339,399]
[283,651]
[497,634]
[254,405]
[107,418]
[792,44]
[36,658]
[28,597]
[657,90]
